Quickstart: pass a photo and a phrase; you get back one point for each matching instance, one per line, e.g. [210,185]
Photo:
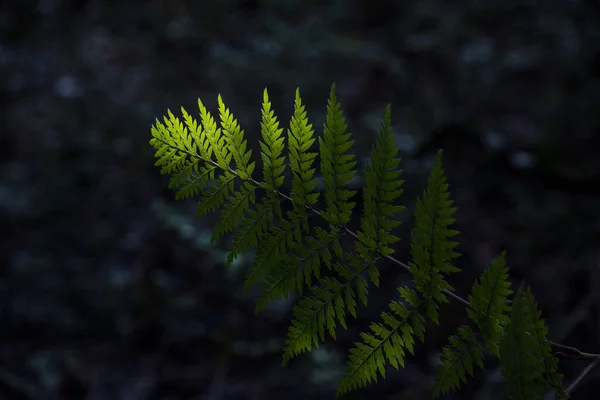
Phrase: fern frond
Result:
[197,132]
[387,342]
[233,212]
[382,190]
[333,298]
[189,181]
[431,246]
[177,149]
[214,195]
[274,247]
[215,142]
[457,361]
[300,140]
[312,315]
[526,361]
[336,166]
[300,266]
[235,140]
[487,303]
[173,144]
[272,148]
[252,229]
[213,160]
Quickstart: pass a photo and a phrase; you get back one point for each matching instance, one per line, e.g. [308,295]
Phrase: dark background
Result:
[109,289]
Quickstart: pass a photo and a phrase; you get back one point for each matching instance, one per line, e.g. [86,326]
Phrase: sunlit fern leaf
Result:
[169,140]
[337,167]
[488,305]
[217,144]
[197,133]
[300,141]
[387,342]
[431,246]
[458,360]
[381,192]
[253,227]
[236,142]
[272,146]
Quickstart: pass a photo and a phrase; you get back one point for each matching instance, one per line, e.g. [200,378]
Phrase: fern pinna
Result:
[214,161]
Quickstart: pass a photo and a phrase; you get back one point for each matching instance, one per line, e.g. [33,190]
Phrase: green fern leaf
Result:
[457,361]
[233,212]
[300,140]
[236,142]
[272,148]
[387,342]
[171,141]
[252,230]
[332,300]
[488,306]
[190,180]
[382,189]
[274,247]
[521,369]
[301,265]
[215,141]
[214,195]
[198,135]
[431,246]
[526,362]
[336,167]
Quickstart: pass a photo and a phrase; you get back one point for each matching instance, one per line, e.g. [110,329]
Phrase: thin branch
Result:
[583,374]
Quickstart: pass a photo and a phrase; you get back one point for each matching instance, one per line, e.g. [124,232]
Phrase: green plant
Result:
[214,161]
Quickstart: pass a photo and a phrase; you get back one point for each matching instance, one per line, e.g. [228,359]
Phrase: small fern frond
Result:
[236,142]
[387,342]
[431,246]
[521,368]
[215,142]
[233,212]
[272,147]
[382,190]
[274,247]
[252,229]
[526,362]
[487,303]
[190,180]
[336,166]
[300,266]
[314,314]
[172,143]
[333,298]
[457,361]
[300,140]
[214,195]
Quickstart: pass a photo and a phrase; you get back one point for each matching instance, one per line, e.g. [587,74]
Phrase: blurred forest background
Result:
[109,289]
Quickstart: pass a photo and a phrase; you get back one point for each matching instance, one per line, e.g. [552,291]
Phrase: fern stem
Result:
[583,374]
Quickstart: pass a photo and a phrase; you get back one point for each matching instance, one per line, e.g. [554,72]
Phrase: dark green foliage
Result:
[527,364]
[214,162]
